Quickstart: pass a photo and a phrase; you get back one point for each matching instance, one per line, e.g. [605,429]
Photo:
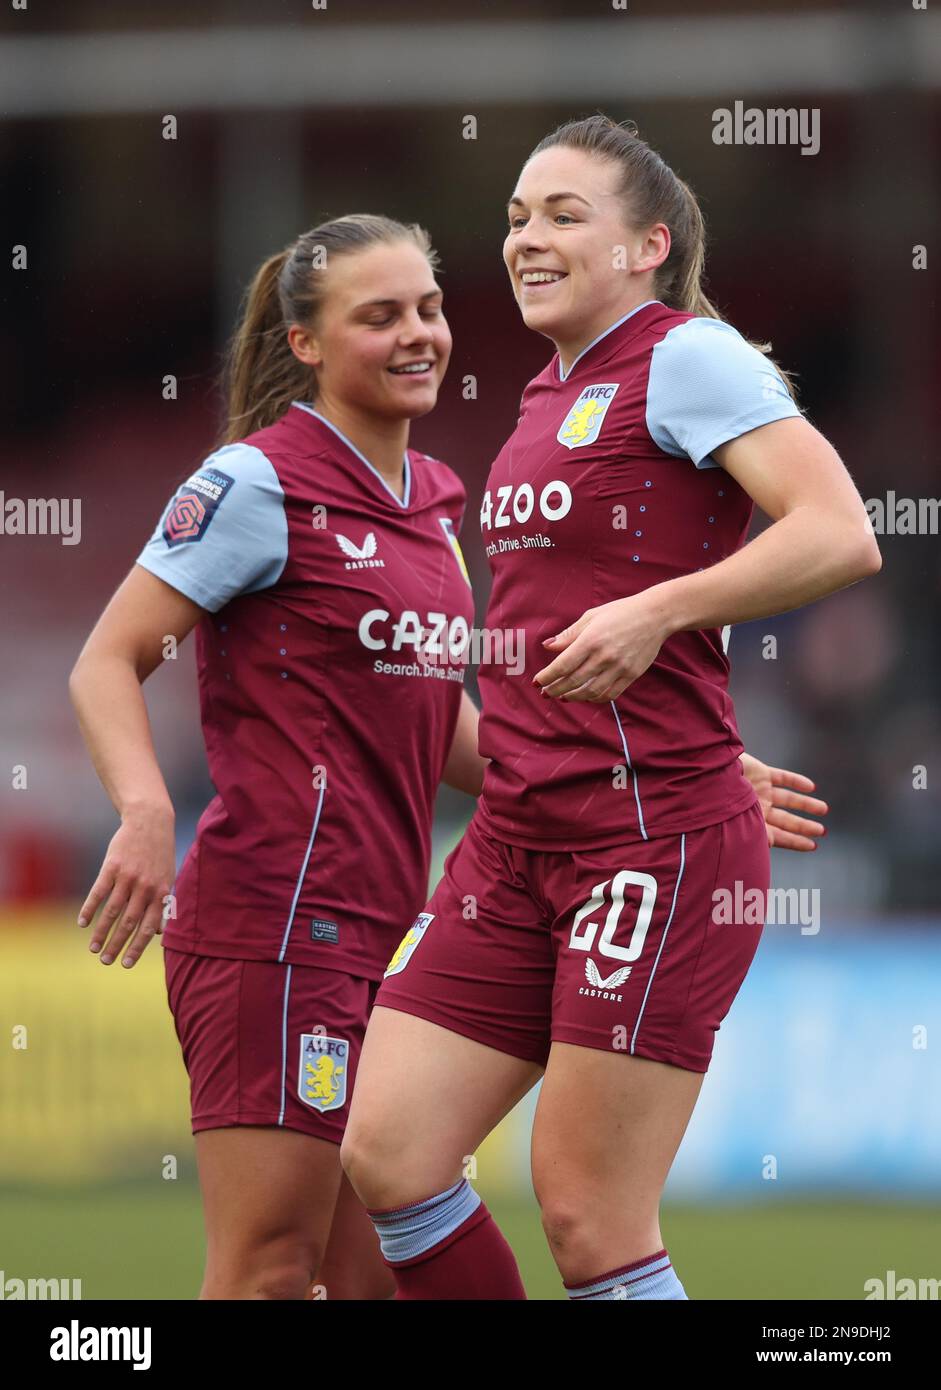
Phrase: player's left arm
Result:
[464,768]
[821,540]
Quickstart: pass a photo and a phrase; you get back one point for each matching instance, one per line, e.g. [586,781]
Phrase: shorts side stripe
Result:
[301,876]
[627,759]
[284,1043]
[663,939]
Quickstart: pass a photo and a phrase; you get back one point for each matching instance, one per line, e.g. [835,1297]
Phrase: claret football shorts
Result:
[266,1043]
[640,948]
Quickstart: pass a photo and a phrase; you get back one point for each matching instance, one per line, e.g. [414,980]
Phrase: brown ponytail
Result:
[651,193]
[261,375]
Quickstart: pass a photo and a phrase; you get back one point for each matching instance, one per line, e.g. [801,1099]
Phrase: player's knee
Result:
[285,1270]
[285,1280]
[274,1282]
[384,1164]
[566,1224]
[579,1228]
[364,1154]
[573,1224]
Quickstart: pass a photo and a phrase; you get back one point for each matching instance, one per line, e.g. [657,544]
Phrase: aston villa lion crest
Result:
[324,1067]
[583,423]
[406,947]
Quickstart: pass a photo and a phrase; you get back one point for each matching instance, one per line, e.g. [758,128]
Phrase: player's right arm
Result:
[126,645]
[223,533]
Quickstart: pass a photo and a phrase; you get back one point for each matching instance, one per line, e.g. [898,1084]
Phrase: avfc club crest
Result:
[324,1067]
[583,423]
[447,526]
[410,940]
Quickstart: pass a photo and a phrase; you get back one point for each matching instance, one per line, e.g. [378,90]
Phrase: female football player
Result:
[318,556]
[317,553]
[580,932]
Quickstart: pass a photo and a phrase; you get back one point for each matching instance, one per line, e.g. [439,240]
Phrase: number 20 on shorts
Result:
[584,930]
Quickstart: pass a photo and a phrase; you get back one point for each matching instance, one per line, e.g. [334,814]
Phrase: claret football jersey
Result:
[331,661]
[607,486]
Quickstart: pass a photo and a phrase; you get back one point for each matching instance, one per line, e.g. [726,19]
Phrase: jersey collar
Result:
[407,490]
[564,376]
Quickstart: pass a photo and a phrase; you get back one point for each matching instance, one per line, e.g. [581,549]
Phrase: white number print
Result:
[584,929]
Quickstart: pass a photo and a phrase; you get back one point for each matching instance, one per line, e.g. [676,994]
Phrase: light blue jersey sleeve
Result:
[708,385]
[224,532]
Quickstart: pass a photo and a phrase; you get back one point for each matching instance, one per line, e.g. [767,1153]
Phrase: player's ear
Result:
[654,247]
[305,345]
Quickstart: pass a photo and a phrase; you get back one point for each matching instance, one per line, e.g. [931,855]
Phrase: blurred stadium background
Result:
[138,248]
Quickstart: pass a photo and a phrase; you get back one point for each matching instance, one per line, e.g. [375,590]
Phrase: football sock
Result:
[651,1277]
[448,1247]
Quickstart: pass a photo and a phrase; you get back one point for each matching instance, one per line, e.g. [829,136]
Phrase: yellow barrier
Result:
[92,1082]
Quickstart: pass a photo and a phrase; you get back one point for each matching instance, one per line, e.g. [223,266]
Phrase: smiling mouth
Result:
[412,369]
[538,279]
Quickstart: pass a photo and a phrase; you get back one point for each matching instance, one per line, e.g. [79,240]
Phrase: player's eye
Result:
[516,222]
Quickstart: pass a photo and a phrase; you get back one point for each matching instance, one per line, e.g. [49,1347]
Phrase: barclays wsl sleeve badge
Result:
[194,506]
[583,423]
[325,1065]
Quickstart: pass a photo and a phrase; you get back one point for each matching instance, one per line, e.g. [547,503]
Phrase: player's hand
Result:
[603,652]
[135,879]
[782,795]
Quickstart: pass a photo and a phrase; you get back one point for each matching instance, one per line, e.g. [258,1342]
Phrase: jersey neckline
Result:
[403,501]
[595,341]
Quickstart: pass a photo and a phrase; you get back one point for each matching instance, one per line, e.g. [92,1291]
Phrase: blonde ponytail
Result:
[262,376]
